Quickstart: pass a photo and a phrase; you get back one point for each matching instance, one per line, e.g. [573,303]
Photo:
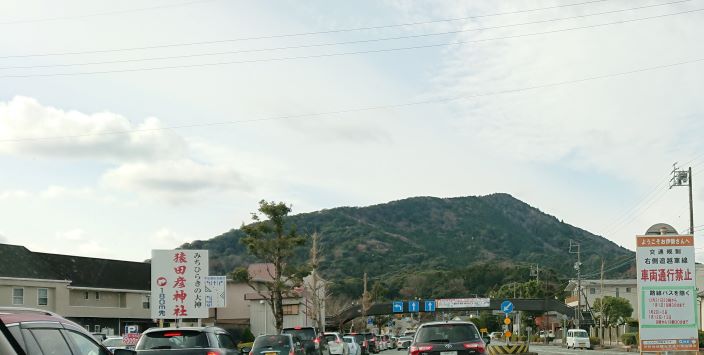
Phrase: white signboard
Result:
[215,291]
[177,284]
[463,303]
[667,293]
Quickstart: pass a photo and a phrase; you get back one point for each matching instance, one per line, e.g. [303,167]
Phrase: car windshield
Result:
[173,339]
[447,333]
[113,342]
[305,334]
[580,334]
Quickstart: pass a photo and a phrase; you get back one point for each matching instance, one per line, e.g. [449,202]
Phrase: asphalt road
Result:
[547,349]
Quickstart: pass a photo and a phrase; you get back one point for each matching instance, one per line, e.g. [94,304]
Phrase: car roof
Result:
[13,315]
[445,322]
[199,329]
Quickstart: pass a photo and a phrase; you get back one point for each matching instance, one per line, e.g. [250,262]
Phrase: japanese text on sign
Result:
[177,280]
[667,293]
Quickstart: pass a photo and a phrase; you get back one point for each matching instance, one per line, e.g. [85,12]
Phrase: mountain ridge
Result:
[452,237]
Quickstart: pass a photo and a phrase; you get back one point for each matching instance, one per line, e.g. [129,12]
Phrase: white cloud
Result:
[72,235]
[13,194]
[55,192]
[29,128]
[175,180]
[165,238]
[3,239]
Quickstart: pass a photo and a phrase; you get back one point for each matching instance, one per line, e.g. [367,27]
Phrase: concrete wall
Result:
[30,293]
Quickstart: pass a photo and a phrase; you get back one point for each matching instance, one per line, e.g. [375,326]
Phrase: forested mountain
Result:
[437,247]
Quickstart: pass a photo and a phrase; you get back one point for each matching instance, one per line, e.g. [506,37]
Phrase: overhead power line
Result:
[115,12]
[341,53]
[341,43]
[373,108]
[303,33]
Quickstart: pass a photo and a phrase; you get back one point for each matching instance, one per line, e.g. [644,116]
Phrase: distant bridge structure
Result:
[519,304]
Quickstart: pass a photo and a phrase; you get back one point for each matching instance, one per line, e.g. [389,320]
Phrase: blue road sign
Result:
[413,306]
[370,320]
[398,306]
[429,306]
[506,307]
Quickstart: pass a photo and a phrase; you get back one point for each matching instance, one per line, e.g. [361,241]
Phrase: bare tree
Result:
[315,287]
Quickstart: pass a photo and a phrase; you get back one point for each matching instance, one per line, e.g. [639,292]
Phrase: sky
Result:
[130,126]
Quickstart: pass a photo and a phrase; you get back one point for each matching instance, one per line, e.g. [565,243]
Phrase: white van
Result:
[578,338]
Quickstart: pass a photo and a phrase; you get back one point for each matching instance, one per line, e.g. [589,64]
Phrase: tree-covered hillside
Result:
[435,247]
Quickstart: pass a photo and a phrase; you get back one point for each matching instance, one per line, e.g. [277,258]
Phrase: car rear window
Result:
[447,333]
[348,340]
[173,339]
[274,341]
[303,333]
[330,337]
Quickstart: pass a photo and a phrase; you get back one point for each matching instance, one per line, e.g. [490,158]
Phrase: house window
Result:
[145,301]
[628,290]
[85,296]
[17,296]
[617,295]
[96,329]
[592,291]
[290,309]
[97,295]
[42,296]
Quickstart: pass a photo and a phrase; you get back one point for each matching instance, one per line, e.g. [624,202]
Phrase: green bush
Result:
[629,338]
[247,335]
[701,338]
[594,341]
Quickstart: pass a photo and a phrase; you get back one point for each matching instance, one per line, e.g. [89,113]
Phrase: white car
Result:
[114,343]
[352,345]
[335,344]
[578,338]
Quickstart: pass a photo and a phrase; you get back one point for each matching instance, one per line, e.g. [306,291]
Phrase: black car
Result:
[373,346]
[310,339]
[284,344]
[448,338]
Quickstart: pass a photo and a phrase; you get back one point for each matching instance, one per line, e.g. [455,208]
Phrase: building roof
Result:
[591,283]
[261,272]
[19,262]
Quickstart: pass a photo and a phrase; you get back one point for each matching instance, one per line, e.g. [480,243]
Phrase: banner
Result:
[667,293]
[177,284]
[463,303]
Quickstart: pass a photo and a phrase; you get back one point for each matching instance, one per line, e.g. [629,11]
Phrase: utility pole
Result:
[684,178]
[577,266]
[365,302]
[601,302]
[535,272]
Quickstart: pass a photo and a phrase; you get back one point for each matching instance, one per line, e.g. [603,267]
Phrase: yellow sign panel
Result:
[507,333]
[507,320]
[484,330]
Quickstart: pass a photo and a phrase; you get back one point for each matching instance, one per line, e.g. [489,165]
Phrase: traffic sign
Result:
[506,307]
[370,320]
[429,306]
[398,306]
[413,306]
[507,320]
[507,333]
[483,330]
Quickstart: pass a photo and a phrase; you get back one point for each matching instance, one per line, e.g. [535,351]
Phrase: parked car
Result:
[335,344]
[50,334]
[284,344]
[99,336]
[362,341]
[115,342]
[438,338]
[310,339]
[577,338]
[183,341]
[496,335]
[403,343]
[372,344]
[355,348]
[380,343]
